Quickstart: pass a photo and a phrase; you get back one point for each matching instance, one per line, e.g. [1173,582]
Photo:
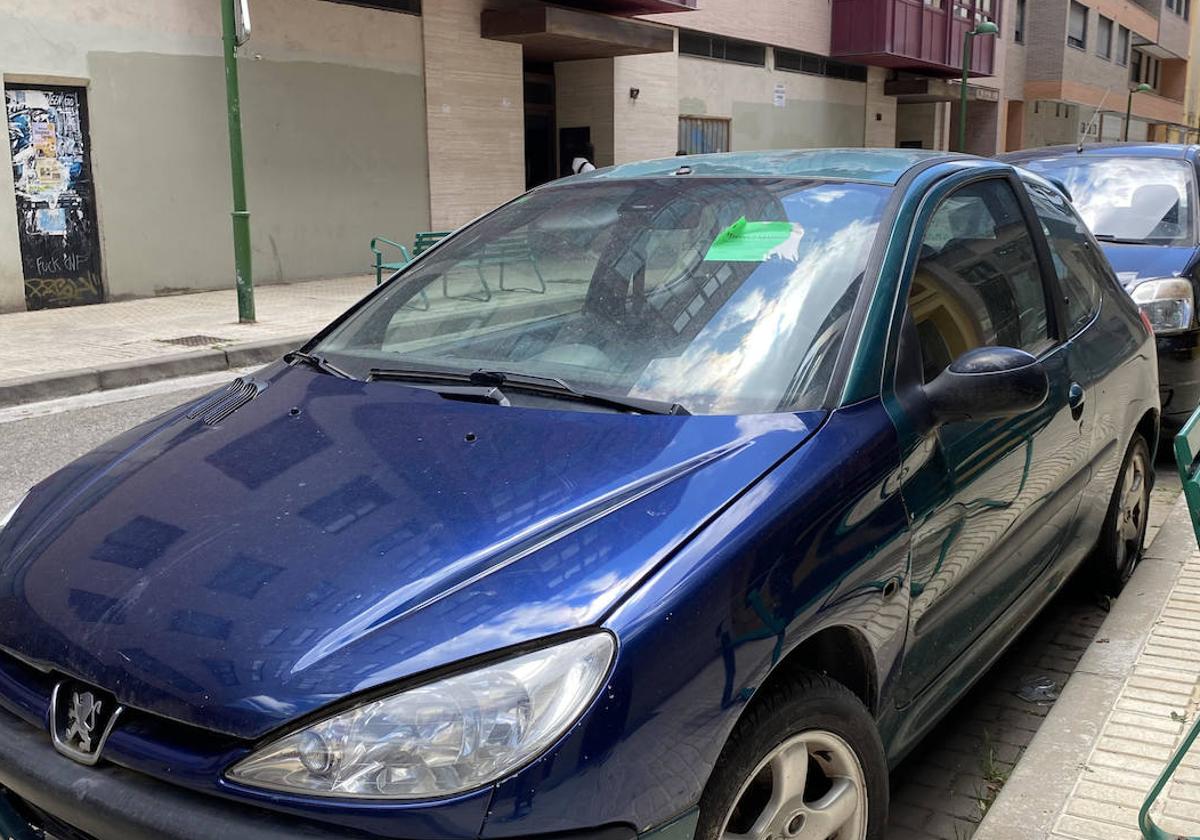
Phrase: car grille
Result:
[219,405]
[49,826]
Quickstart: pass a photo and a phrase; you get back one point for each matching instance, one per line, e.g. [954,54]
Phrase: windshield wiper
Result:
[317,362]
[544,386]
[1108,237]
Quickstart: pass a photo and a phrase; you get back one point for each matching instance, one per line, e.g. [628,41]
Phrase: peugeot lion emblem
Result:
[81,719]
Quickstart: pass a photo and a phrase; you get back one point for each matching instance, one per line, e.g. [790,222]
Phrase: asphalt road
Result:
[36,441]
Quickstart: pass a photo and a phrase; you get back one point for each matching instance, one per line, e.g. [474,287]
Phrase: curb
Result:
[140,371]
[1046,775]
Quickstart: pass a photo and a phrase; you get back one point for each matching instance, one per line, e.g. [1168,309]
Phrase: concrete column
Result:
[880,130]
[583,93]
[475,102]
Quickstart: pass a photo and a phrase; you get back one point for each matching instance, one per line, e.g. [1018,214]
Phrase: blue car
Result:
[1139,200]
[674,500]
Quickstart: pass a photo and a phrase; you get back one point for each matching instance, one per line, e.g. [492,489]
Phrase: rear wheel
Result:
[805,763]
[1124,534]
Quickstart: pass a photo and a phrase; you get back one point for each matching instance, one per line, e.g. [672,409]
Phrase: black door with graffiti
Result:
[56,204]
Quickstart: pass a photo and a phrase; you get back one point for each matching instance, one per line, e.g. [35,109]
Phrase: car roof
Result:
[879,166]
[1177,151]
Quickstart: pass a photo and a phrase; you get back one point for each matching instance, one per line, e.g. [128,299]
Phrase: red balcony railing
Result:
[924,36]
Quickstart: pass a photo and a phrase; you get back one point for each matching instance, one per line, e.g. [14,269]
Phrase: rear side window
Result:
[977,282]
[1078,266]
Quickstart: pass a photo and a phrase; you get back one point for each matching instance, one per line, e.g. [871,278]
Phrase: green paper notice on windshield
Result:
[745,241]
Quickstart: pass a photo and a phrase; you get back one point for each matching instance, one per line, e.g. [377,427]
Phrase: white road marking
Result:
[12,414]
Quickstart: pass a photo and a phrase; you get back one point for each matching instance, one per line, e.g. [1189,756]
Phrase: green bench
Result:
[380,265]
[1187,448]
[425,241]
[422,243]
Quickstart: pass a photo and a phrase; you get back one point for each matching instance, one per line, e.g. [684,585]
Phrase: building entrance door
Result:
[539,124]
[55,199]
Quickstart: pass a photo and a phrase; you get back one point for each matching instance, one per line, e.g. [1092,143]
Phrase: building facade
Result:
[389,117]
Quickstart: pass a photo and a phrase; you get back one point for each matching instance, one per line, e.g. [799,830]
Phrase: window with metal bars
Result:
[701,45]
[703,135]
[412,7]
[818,65]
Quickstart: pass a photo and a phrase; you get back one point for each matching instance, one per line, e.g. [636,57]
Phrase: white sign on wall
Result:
[780,95]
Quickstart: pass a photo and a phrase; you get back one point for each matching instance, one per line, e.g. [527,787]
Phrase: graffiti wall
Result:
[55,202]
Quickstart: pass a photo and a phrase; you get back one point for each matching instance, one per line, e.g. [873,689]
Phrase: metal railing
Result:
[1187,448]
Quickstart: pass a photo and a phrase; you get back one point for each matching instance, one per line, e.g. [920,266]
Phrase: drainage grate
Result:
[193,340]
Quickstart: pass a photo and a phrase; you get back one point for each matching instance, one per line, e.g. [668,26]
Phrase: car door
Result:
[989,500]
[1081,273]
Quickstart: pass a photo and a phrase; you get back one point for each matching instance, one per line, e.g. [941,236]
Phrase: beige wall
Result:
[818,111]
[333,117]
[474,90]
[798,24]
[596,93]
[647,127]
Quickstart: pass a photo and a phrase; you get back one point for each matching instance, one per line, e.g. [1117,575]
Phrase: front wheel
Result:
[1124,534]
[804,763]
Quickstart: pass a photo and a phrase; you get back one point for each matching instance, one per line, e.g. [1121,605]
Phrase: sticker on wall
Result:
[51,221]
[780,97]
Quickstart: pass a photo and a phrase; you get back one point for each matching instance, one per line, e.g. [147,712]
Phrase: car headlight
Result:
[442,738]
[1168,303]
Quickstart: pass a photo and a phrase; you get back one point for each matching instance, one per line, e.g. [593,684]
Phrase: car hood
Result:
[332,536]
[1135,264]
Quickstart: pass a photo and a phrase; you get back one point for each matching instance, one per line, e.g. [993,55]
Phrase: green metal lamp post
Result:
[230,25]
[983,28]
[1142,88]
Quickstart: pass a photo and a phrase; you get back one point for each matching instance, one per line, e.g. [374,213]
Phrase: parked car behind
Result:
[1139,200]
[688,528]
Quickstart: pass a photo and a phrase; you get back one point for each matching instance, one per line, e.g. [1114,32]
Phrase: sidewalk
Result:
[1125,709]
[58,352]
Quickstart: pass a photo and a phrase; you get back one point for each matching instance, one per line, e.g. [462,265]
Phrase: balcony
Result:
[627,8]
[922,36]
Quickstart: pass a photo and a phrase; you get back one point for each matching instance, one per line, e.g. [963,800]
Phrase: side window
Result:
[977,281]
[1078,266]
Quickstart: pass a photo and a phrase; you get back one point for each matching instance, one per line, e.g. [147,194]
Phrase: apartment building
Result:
[389,117]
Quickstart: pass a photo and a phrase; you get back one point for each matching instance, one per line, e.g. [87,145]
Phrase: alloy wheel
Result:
[1131,513]
[810,787]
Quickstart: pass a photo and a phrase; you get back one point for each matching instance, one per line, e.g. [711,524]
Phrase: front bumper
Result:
[106,802]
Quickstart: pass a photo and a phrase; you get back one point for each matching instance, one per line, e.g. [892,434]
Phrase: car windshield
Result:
[720,295]
[1139,200]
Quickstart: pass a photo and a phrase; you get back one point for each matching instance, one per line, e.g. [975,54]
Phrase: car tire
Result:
[814,718]
[1123,536]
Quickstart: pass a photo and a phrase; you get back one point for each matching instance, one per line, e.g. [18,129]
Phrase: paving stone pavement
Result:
[943,789]
[51,341]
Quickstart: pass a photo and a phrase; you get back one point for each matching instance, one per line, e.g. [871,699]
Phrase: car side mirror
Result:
[986,383]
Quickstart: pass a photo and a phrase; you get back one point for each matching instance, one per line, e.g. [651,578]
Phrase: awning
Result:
[550,33]
[632,7]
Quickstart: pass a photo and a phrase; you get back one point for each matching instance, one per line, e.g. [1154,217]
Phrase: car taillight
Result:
[1146,320]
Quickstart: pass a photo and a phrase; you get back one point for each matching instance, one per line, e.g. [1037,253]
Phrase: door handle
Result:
[1076,397]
